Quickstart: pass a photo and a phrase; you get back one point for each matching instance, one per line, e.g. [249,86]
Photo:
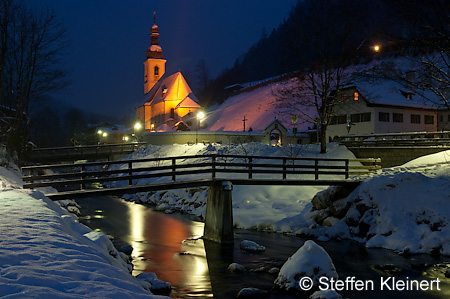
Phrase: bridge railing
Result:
[81,151]
[441,138]
[197,166]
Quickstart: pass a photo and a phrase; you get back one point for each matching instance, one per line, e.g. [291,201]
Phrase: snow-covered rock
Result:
[235,267]
[251,293]
[152,283]
[310,260]
[251,246]
[327,294]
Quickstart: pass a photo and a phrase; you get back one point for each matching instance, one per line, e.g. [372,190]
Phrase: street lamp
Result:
[200,116]
[137,127]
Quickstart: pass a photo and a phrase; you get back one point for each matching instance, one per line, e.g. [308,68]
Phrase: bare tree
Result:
[31,47]
[325,45]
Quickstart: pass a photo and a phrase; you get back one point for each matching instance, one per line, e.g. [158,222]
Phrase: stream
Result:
[171,246]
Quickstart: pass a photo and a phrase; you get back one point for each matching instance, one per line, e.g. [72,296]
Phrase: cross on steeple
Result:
[154,17]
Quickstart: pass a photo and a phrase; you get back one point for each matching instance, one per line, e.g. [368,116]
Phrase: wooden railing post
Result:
[130,166]
[316,169]
[173,169]
[346,169]
[250,168]
[284,169]
[82,186]
[213,161]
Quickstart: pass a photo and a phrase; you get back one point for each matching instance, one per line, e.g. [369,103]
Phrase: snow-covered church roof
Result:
[172,88]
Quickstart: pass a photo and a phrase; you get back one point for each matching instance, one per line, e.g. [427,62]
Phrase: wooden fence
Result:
[232,167]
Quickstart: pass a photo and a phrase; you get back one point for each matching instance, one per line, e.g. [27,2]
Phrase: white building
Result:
[382,106]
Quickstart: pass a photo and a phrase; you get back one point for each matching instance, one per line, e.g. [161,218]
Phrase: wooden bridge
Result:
[85,152]
[217,172]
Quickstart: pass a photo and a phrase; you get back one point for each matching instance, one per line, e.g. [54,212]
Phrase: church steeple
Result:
[155,50]
[155,65]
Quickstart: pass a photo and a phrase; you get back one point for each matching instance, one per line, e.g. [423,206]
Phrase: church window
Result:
[145,73]
[156,71]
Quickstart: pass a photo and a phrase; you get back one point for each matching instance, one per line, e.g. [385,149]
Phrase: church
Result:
[169,101]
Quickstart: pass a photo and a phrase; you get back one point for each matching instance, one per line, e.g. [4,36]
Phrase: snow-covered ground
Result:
[46,253]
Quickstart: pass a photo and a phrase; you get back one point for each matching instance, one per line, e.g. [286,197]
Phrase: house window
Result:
[397,117]
[342,119]
[365,117]
[338,119]
[383,116]
[356,96]
[429,119]
[415,118]
[355,118]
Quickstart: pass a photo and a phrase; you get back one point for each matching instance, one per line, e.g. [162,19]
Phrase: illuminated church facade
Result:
[169,100]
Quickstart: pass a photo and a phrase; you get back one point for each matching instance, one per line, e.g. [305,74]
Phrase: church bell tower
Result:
[155,65]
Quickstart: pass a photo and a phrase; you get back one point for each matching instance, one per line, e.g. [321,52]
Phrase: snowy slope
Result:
[46,253]
[258,106]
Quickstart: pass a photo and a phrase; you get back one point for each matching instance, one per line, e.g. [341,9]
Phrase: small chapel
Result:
[170,104]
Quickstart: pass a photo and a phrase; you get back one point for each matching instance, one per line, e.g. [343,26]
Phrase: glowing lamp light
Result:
[376,48]
[99,132]
[200,115]
[137,126]
[105,134]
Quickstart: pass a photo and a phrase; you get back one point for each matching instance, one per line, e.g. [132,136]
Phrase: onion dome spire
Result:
[155,50]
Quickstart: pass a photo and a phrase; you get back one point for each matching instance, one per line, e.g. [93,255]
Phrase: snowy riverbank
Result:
[46,253]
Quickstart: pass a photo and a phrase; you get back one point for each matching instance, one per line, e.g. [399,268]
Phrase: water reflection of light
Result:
[136,223]
[159,242]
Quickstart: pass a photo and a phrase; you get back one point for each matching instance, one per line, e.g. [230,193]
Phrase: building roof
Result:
[172,88]
[189,102]
[384,92]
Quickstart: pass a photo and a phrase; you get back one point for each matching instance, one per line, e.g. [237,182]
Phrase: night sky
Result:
[108,41]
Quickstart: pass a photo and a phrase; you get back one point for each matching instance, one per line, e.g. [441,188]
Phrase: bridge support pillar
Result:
[219,213]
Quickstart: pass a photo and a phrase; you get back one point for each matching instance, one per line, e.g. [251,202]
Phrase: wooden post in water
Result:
[219,213]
